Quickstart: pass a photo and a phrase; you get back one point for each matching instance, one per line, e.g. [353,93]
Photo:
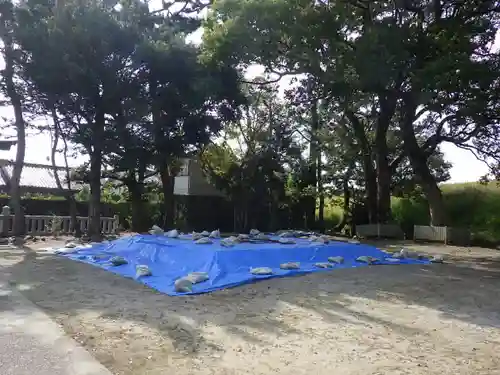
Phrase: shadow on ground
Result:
[457,291]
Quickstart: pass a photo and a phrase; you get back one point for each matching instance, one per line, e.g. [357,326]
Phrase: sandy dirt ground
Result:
[439,319]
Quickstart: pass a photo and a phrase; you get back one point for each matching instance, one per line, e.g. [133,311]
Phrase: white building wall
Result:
[181,185]
[193,181]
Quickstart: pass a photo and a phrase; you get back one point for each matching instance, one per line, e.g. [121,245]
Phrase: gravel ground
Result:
[438,319]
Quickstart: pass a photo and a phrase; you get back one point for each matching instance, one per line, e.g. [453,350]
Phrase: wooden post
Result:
[5,221]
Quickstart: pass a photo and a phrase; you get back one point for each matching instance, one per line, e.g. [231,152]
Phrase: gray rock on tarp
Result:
[155,229]
[367,259]
[290,266]
[99,257]
[118,261]
[174,233]
[261,271]
[197,277]
[183,285]
[286,234]
[261,237]
[323,265]
[337,260]
[203,241]
[214,234]
[229,242]
[243,237]
[142,271]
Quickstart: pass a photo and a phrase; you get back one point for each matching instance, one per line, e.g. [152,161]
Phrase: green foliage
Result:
[333,213]
[255,164]
[378,86]
[472,206]
[122,83]
[408,212]
[477,207]
[423,70]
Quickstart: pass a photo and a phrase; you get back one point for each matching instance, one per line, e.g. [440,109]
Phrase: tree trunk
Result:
[368,169]
[418,161]
[15,99]
[383,172]
[346,211]
[167,181]
[68,195]
[139,221]
[371,189]
[387,109]
[321,194]
[313,159]
[75,228]
[95,177]
[273,212]
[162,162]
[95,196]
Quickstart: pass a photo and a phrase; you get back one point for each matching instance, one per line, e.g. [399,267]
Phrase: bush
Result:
[477,207]
[408,212]
[332,213]
[472,206]
[485,239]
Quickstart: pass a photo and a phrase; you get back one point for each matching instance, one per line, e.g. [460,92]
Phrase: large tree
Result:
[77,62]
[13,89]
[254,157]
[126,87]
[188,103]
[382,61]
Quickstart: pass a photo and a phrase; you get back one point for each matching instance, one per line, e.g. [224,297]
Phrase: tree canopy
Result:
[376,88]
[423,69]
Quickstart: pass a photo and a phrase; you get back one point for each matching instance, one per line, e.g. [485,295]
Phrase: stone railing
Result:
[39,225]
[429,233]
[447,235]
[379,231]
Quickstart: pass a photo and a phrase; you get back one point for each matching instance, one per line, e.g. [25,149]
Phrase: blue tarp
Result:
[170,259]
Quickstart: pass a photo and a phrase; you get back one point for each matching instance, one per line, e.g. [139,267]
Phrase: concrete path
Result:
[32,344]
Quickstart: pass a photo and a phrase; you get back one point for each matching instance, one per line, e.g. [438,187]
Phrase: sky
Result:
[466,168]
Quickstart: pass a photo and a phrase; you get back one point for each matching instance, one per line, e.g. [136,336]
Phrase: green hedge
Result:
[470,205]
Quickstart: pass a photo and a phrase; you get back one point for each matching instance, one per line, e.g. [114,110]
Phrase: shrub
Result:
[332,213]
[408,212]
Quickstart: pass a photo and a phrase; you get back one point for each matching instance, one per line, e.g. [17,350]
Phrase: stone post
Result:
[116,224]
[5,221]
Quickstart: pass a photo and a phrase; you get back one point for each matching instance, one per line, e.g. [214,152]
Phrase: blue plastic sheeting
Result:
[169,259]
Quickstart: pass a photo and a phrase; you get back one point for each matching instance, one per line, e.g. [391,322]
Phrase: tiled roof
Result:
[5,145]
[34,176]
